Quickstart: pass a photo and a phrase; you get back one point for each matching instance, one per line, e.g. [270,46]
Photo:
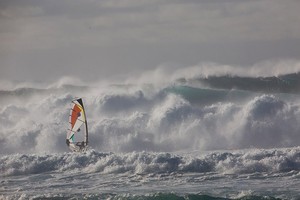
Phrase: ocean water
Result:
[201,137]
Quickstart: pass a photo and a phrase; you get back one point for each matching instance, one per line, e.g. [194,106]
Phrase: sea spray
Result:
[129,118]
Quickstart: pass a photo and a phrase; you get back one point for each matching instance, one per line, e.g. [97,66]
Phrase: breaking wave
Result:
[196,114]
[256,162]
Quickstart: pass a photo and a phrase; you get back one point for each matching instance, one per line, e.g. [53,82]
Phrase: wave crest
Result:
[145,163]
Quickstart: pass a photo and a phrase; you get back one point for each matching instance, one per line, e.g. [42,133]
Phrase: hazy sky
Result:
[92,39]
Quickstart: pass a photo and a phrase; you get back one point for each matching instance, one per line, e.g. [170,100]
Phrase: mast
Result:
[85,121]
[86,129]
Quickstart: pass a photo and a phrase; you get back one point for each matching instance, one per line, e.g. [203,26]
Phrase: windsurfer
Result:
[80,145]
[78,127]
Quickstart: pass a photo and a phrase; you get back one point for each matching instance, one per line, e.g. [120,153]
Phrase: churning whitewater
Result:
[190,137]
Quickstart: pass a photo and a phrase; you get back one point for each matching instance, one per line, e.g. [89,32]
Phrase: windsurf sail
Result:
[77,136]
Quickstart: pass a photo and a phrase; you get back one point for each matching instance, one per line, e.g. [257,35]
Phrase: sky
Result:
[95,39]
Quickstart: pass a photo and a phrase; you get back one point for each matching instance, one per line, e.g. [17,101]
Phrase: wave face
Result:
[289,83]
[225,112]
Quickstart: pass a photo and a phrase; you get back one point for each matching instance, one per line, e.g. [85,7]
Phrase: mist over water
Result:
[178,113]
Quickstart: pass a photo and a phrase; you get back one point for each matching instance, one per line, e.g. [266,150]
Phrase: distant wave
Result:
[29,91]
[289,83]
[255,162]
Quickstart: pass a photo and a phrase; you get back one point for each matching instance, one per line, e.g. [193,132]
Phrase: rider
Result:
[80,144]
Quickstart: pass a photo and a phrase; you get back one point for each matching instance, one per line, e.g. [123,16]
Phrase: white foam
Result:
[149,117]
[261,162]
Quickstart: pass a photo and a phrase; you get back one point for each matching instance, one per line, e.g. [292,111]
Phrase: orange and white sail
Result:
[77,136]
